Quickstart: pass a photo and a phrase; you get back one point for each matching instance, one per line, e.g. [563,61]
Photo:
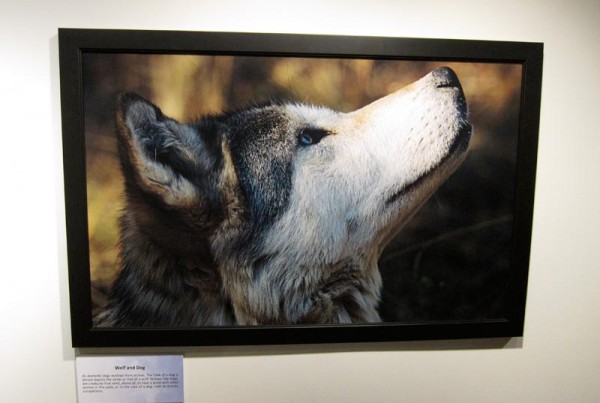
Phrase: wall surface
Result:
[558,360]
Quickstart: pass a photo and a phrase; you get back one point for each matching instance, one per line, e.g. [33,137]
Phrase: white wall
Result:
[558,360]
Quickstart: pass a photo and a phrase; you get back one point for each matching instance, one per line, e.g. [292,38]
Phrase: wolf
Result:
[275,214]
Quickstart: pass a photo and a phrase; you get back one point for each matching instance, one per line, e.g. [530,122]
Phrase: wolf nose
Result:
[445,77]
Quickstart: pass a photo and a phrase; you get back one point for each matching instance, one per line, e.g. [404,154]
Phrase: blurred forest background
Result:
[451,261]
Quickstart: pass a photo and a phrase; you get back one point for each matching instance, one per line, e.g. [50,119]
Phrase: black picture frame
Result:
[74,43]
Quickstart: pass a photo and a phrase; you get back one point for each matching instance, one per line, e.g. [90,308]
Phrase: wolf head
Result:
[288,206]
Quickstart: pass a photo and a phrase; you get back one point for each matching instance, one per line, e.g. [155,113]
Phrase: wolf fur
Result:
[275,214]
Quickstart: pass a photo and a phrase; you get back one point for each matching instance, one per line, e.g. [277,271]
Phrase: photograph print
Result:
[260,190]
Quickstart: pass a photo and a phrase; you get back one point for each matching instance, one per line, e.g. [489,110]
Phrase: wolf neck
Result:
[160,287]
[349,295]
[344,292]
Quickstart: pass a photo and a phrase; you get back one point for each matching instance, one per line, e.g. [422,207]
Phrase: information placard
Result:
[130,379]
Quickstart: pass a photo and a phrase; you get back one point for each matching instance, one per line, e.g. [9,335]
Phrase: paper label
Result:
[129,379]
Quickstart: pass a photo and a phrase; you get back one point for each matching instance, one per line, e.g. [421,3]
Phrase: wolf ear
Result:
[158,155]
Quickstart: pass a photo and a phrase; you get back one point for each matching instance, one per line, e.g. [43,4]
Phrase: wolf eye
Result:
[305,139]
[310,136]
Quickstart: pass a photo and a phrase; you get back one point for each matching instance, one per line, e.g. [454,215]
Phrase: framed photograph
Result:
[228,188]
